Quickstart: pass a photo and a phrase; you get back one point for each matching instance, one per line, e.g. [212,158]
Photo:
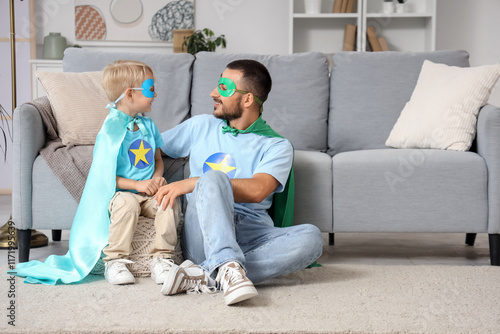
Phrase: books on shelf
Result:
[344,6]
[376,43]
[383,44]
[349,38]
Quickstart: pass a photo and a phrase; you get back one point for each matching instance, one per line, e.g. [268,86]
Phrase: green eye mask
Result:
[227,88]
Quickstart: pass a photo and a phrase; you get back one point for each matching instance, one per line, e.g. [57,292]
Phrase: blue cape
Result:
[90,229]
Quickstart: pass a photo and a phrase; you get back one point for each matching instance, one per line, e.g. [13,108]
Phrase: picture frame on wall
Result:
[131,20]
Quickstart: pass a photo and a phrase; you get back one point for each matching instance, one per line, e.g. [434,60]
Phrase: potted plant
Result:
[6,235]
[5,132]
[203,40]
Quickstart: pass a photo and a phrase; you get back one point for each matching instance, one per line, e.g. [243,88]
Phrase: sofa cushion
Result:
[297,106]
[409,190]
[370,89]
[78,102]
[173,79]
[443,108]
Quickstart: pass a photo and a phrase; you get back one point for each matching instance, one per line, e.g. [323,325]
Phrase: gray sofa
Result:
[338,122]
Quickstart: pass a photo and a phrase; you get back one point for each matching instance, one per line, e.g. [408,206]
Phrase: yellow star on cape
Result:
[222,166]
[140,153]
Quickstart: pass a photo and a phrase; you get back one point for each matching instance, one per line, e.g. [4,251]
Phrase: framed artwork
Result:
[132,20]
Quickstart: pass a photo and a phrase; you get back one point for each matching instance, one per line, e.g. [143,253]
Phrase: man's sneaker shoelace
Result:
[196,286]
[233,272]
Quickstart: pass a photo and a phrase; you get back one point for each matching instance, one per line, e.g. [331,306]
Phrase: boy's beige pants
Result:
[125,209]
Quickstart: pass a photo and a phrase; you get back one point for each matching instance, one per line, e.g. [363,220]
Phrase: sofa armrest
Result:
[488,146]
[29,138]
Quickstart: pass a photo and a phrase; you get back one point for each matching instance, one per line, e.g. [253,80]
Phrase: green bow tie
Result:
[258,127]
[235,132]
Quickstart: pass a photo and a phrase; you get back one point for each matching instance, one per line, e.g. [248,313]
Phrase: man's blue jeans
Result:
[217,230]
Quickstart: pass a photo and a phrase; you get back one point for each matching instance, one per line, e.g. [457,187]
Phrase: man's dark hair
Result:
[256,78]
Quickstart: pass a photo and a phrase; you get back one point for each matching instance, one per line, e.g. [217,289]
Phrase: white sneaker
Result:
[233,280]
[189,278]
[160,268]
[116,272]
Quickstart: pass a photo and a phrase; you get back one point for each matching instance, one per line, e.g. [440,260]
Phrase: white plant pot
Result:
[312,6]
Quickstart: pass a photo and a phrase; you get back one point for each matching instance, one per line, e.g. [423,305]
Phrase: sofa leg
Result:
[494,249]
[331,239]
[56,235]
[470,238]
[23,245]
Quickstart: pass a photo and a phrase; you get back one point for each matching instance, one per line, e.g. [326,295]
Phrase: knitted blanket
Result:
[71,163]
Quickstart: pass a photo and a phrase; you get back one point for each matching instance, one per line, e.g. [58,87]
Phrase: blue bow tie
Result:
[140,125]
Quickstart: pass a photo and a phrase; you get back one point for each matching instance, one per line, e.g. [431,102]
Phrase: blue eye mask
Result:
[147,88]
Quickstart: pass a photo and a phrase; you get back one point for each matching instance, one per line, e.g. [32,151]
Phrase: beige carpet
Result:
[336,298]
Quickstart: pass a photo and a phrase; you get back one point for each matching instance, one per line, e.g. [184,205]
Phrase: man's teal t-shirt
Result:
[242,156]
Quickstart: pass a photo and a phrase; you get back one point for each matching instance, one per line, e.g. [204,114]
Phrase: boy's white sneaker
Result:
[116,272]
[160,268]
[189,278]
[233,280]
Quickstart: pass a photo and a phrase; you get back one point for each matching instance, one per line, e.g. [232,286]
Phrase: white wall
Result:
[250,26]
[258,26]
[472,26]
[23,75]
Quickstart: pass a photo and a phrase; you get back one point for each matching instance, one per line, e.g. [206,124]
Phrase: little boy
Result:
[139,175]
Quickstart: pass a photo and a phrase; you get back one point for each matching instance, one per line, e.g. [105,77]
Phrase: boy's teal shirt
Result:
[90,229]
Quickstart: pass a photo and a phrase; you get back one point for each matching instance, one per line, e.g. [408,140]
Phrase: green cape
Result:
[282,208]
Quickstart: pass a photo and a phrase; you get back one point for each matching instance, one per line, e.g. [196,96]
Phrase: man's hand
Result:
[167,194]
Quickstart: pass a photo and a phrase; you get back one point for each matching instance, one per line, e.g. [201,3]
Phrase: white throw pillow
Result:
[442,111]
[78,103]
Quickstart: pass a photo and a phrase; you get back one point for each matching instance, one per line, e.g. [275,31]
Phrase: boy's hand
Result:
[159,180]
[150,187]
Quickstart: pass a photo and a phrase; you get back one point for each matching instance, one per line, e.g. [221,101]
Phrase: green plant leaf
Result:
[203,40]
[5,128]
[4,148]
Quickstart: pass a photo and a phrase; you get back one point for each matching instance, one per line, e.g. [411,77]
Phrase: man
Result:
[237,163]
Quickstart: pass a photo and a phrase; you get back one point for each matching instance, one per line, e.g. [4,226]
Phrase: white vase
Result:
[388,7]
[312,6]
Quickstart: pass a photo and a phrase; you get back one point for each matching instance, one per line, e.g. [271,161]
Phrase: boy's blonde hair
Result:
[123,74]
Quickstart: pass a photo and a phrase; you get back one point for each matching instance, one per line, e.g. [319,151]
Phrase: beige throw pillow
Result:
[442,111]
[78,102]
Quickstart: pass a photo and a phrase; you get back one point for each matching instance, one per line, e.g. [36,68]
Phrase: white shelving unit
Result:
[413,30]
[322,32]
